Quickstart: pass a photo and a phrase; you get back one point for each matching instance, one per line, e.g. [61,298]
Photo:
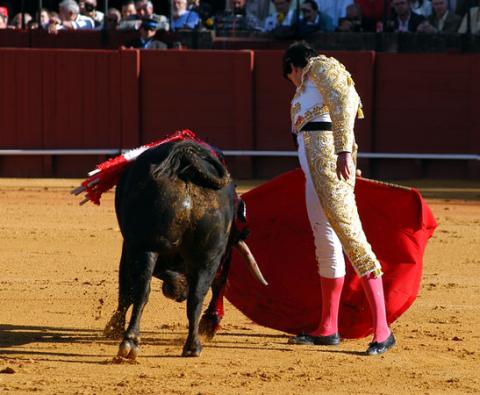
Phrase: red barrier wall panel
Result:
[273,94]
[209,92]
[129,97]
[68,99]
[427,103]
[20,104]
[14,38]
[78,39]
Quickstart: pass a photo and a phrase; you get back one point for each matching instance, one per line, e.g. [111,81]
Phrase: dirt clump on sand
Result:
[58,287]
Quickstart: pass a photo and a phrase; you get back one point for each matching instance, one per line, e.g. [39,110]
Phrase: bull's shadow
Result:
[12,336]
[18,335]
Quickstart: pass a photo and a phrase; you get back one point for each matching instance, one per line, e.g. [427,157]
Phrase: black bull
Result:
[176,206]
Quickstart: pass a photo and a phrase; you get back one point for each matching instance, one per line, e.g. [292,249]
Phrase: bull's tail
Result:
[190,161]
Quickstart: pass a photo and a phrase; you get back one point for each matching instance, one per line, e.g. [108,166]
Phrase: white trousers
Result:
[328,249]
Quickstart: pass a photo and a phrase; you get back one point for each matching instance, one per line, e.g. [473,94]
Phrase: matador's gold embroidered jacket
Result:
[327,93]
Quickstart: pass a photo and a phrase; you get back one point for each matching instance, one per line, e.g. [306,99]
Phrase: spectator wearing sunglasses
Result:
[148,30]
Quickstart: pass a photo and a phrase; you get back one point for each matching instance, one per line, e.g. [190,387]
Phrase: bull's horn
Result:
[252,264]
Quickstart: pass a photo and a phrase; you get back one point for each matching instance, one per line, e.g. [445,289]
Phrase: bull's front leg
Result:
[115,327]
[142,271]
[198,287]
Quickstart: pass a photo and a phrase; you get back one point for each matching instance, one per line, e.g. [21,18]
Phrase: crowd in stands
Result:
[304,17]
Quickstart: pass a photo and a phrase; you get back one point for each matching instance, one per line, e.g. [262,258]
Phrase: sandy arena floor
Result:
[58,286]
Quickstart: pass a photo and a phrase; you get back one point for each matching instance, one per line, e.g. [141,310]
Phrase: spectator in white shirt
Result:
[71,18]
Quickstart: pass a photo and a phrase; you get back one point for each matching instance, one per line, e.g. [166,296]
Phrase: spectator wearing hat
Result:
[148,30]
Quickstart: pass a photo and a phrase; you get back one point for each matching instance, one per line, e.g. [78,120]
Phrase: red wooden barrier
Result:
[427,103]
[68,99]
[14,38]
[77,39]
[209,92]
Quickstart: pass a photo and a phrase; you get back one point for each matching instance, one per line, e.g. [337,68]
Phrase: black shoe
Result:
[309,340]
[377,348]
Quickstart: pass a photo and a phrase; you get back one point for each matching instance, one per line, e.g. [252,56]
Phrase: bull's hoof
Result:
[128,349]
[193,352]
[209,325]
[116,327]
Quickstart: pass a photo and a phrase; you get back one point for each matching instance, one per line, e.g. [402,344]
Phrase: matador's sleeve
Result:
[335,85]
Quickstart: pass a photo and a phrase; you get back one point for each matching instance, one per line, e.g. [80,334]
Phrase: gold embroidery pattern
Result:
[337,89]
[314,112]
[338,202]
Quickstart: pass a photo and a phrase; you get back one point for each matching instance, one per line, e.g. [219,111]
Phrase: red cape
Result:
[396,220]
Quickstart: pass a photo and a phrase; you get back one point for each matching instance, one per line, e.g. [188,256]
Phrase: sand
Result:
[58,287]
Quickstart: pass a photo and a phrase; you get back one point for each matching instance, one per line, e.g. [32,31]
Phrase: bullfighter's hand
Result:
[344,165]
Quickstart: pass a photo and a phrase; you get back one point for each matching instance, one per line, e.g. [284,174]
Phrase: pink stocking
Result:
[331,292]
[373,287]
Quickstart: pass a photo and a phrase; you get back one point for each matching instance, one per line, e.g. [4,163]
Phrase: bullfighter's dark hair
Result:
[297,55]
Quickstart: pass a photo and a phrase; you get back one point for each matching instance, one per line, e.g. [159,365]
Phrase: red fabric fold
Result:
[397,222]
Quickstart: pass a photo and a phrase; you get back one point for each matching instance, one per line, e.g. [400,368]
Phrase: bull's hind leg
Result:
[142,270]
[116,325]
[211,318]
[198,287]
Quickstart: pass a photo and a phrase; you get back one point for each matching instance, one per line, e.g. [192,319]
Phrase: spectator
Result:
[16,22]
[474,13]
[335,9]
[129,11]
[442,20]
[4,11]
[236,19]
[257,11]
[130,18]
[3,18]
[313,20]
[283,16]
[204,11]
[182,17]
[148,30]
[354,21]
[422,7]
[44,18]
[89,8]
[404,20]
[145,10]
[71,19]
[112,19]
